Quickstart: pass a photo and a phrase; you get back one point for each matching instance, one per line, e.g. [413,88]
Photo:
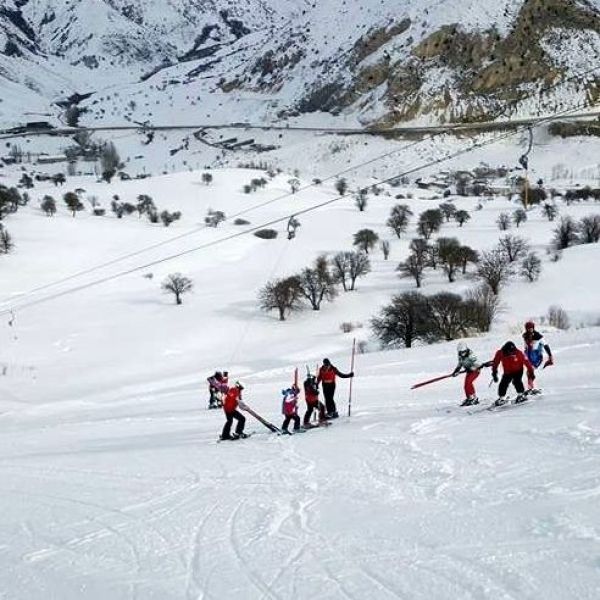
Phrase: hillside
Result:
[113,481]
[400,62]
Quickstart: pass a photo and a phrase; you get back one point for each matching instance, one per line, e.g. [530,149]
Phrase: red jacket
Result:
[232,399]
[512,363]
[311,393]
[327,374]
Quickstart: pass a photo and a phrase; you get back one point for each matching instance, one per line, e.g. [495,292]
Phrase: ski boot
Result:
[243,435]
[470,401]
[521,398]
[501,401]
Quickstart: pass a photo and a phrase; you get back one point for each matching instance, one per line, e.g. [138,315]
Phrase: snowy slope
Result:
[387,68]
[114,485]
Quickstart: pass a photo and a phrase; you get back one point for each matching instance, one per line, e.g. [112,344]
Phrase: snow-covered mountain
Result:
[380,62]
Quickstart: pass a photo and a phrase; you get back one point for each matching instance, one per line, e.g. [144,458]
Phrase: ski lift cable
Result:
[287,195]
[431,163]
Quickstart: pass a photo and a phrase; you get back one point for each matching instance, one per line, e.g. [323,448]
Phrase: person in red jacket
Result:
[230,406]
[513,363]
[311,395]
[327,375]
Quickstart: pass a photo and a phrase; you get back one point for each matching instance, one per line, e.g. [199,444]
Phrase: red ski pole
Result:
[351,378]
[418,385]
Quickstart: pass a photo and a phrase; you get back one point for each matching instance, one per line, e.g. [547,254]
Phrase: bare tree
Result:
[566,234]
[448,210]
[413,266]
[214,217]
[282,295]
[448,319]
[348,266]
[73,202]
[365,239]
[531,267]
[494,269]
[168,217]
[6,243]
[550,211]
[403,321]
[461,217]
[341,185]
[385,248]
[145,204]
[467,255]
[514,246]
[519,216]
[294,184]
[482,307]
[420,247]
[292,225]
[590,229]
[503,221]
[317,283]
[430,221]
[110,161]
[558,317]
[399,219]
[361,199]
[48,205]
[358,266]
[177,284]
[450,256]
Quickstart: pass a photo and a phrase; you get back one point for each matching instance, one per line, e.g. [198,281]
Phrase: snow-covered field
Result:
[113,485]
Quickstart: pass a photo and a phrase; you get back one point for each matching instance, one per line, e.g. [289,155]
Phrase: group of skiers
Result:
[230,399]
[514,363]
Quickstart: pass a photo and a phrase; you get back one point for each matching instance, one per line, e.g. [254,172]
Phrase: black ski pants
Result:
[515,378]
[230,416]
[328,393]
[320,408]
[288,418]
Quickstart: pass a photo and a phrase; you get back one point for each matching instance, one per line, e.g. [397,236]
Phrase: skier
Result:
[513,362]
[230,406]
[311,395]
[468,363]
[217,385]
[327,374]
[289,408]
[534,349]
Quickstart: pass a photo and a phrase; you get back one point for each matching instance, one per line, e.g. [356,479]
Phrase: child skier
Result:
[534,349]
[467,362]
[232,400]
[289,408]
[513,363]
[327,375]
[311,395]
[217,385]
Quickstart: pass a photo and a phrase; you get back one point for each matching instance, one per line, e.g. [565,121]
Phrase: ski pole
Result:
[351,378]
[422,383]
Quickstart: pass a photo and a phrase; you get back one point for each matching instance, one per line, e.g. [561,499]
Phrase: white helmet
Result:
[462,348]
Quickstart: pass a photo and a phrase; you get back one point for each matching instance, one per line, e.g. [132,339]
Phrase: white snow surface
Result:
[113,484]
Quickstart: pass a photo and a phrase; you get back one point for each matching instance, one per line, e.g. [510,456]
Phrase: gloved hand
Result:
[351,373]
[455,373]
[495,376]
[549,362]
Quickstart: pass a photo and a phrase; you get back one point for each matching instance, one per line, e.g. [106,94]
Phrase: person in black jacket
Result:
[327,375]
